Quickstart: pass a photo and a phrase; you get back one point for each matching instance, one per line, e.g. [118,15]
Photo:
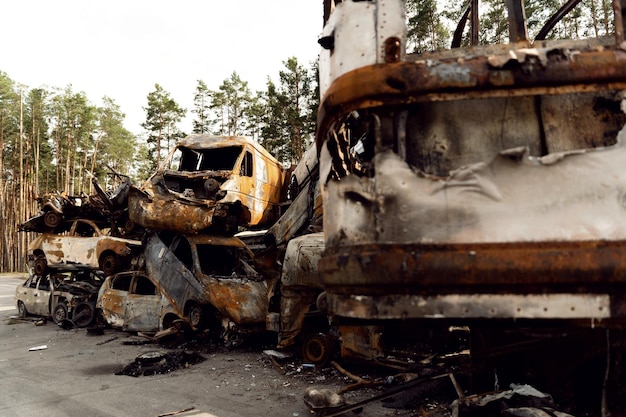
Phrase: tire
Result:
[21,309]
[59,313]
[84,314]
[52,219]
[109,263]
[40,266]
[318,348]
[196,316]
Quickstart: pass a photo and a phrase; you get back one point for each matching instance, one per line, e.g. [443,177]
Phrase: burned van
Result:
[210,183]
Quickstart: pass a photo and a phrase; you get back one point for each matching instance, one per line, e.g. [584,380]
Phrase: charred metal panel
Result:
[356,35]
[489,173]
[596,307]
[142,312]
[242,301]
[555,69]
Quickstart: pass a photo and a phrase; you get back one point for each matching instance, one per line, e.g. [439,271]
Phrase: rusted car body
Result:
[210,280]
[84,245]
[106,209]
[476,184]
[61,294]
[132,301]
[293,300]
[210,183]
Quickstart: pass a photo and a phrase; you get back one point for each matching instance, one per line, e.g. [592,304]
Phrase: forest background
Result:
[53,139]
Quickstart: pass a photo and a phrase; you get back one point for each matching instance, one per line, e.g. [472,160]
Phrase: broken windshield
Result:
[214,159]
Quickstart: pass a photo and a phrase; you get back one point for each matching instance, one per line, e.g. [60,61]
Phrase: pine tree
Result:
[163,115]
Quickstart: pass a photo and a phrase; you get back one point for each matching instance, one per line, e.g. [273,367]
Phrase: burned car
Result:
[211,183]
[132,301]
[106,209]
[84,245]
[61,294]
[210,280]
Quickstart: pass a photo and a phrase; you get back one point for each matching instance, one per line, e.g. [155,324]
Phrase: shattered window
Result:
[220,159]
[217,260]
[189,160]
[84,230]
[246,165]
[121,282]
[33,282]
[45,283]
[143,286]
[183,252]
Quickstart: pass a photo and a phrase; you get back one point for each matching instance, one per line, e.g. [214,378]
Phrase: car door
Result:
[41,296]
[172,268]
[113,299]
[142,311]
[26,293]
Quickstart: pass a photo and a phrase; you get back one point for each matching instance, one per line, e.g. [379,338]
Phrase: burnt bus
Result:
[482,184]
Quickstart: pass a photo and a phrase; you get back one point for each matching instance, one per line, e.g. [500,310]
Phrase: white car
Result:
[84,245]
[60,294]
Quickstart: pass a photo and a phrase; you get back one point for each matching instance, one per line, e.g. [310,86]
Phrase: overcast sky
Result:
[122,48]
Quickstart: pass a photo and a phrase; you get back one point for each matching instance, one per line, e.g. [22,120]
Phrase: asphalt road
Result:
[74,374]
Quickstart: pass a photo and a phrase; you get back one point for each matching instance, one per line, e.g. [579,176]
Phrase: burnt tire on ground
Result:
[318,348]
[109,263]
[84,314]
[21,309]
[59,313]
[40,266]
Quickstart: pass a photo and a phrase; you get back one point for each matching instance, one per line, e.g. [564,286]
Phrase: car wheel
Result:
[318,348]
[52,219]
[109,263]
[40,266]
[59,313]
[21,309]
[84,314]
[196,316]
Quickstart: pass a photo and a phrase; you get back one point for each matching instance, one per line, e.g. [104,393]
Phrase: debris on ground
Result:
[520,400]
[35,348]
[156,362]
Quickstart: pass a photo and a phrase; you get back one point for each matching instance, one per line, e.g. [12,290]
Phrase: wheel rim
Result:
[52,219]
[21,309]
[60,313]
[109,264]
[318,349]
[41,266]
[195,316]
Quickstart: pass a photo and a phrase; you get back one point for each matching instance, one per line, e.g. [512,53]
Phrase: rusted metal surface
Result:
[490,173]
[507,73]
[210,183]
